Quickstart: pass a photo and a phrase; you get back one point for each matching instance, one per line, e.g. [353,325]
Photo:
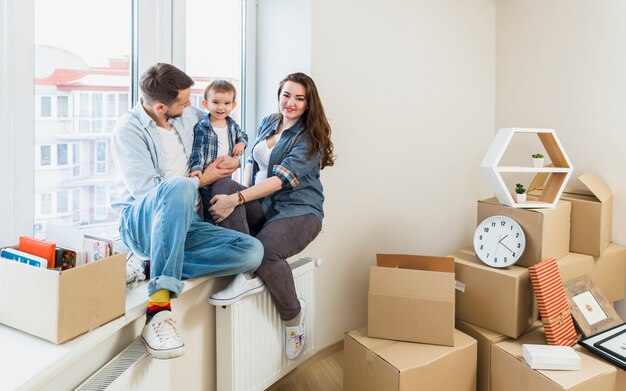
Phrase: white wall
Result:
[409,88]
[562,65]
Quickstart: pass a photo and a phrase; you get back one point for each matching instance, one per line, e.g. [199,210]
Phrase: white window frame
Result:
[155,41]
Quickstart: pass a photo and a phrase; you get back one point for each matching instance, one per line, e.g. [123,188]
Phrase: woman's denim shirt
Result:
[302,192]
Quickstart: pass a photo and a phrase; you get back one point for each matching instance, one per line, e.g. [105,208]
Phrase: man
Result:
[157,205]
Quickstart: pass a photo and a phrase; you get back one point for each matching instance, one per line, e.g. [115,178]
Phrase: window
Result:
[61,154]
[76,159]
[44,155]
[101,157]
[111,105]
[62,106]
[46,106]
[86,68]
[101,202]
[75,206]
[227,65]
[46,203]
[62,204]
[82,66]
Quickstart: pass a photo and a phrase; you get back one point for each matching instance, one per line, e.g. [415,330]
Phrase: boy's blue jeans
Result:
[163,226]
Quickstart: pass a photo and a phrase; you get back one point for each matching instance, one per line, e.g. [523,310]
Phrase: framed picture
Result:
[615,345]
[591,311]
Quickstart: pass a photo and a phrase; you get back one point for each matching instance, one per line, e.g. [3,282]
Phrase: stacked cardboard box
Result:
[411,299]
[411,306]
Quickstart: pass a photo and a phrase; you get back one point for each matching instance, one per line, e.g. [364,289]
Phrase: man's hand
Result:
[212,173]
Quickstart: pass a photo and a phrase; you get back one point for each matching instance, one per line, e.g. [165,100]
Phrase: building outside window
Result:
[44,156]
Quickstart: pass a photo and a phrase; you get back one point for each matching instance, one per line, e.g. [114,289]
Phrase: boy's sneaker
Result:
[239,288]
[160,336]
[295,337]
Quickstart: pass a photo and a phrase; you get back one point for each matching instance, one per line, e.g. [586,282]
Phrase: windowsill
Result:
[30,360]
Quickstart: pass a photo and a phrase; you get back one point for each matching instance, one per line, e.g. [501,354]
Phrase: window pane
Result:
[111,105]
[62,202]
[82,64]
[45,155]
[62,106]
[123,104]
[46,204]
[227,65]
[61,154]
[96,105]
[46,108]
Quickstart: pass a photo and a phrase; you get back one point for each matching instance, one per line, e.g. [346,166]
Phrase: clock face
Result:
[499,241]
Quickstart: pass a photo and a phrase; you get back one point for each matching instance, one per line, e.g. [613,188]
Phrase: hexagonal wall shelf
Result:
[558,175]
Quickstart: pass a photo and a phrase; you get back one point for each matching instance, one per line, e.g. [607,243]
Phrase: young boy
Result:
[217,135]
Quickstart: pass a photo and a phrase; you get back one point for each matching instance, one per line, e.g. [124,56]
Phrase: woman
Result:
[282,207]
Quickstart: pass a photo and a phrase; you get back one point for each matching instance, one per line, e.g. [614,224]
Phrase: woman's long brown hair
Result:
[315,122]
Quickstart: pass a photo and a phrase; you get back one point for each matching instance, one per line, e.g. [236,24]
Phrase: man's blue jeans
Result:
[163,226]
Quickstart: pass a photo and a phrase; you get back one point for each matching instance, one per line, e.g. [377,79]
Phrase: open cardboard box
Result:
[60,305]
[411,298]
[591,224]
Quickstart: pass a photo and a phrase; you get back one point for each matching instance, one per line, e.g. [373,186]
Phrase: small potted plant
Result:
[521,193]
[537,160]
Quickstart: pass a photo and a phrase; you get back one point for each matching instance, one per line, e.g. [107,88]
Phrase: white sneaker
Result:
[239,288]
[295,337]
[160,336]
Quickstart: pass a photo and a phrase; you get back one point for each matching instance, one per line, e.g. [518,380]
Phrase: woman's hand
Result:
[222,206]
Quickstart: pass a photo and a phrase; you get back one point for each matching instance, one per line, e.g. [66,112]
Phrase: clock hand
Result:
[506,247]
[501,239]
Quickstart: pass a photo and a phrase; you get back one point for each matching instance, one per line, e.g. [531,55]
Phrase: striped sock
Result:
[159,301]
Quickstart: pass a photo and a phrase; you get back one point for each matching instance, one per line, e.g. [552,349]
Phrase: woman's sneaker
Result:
[160,336]
[295,337]
[238,288]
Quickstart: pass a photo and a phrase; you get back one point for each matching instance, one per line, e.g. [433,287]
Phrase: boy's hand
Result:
[212,173]
[228,162]
[238,149]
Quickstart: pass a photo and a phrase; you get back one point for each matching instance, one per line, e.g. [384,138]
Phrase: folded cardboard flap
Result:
[416,262]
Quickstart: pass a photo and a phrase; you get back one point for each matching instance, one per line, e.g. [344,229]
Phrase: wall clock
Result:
[499,241]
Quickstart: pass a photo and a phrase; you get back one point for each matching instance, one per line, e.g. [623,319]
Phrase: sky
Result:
[99,30]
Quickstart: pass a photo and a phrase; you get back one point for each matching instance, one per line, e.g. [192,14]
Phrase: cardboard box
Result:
[485,339]
[609,272]
[411,298]
[372,364]
[60,305]
[500,300]
[510,372]
[592,216]
[546,230]
[574,265]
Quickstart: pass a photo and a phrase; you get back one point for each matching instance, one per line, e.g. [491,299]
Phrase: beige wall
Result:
[562,64]
[409,88]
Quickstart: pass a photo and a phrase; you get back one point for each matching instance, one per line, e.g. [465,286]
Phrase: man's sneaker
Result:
[295,337]
[160,336]
[239,288]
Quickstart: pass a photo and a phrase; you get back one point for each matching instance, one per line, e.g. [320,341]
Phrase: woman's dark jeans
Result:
[281,239]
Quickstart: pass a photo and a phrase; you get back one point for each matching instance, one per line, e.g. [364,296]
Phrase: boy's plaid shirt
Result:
[205,142]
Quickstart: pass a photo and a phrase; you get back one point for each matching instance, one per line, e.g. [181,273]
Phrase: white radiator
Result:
[250,337]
